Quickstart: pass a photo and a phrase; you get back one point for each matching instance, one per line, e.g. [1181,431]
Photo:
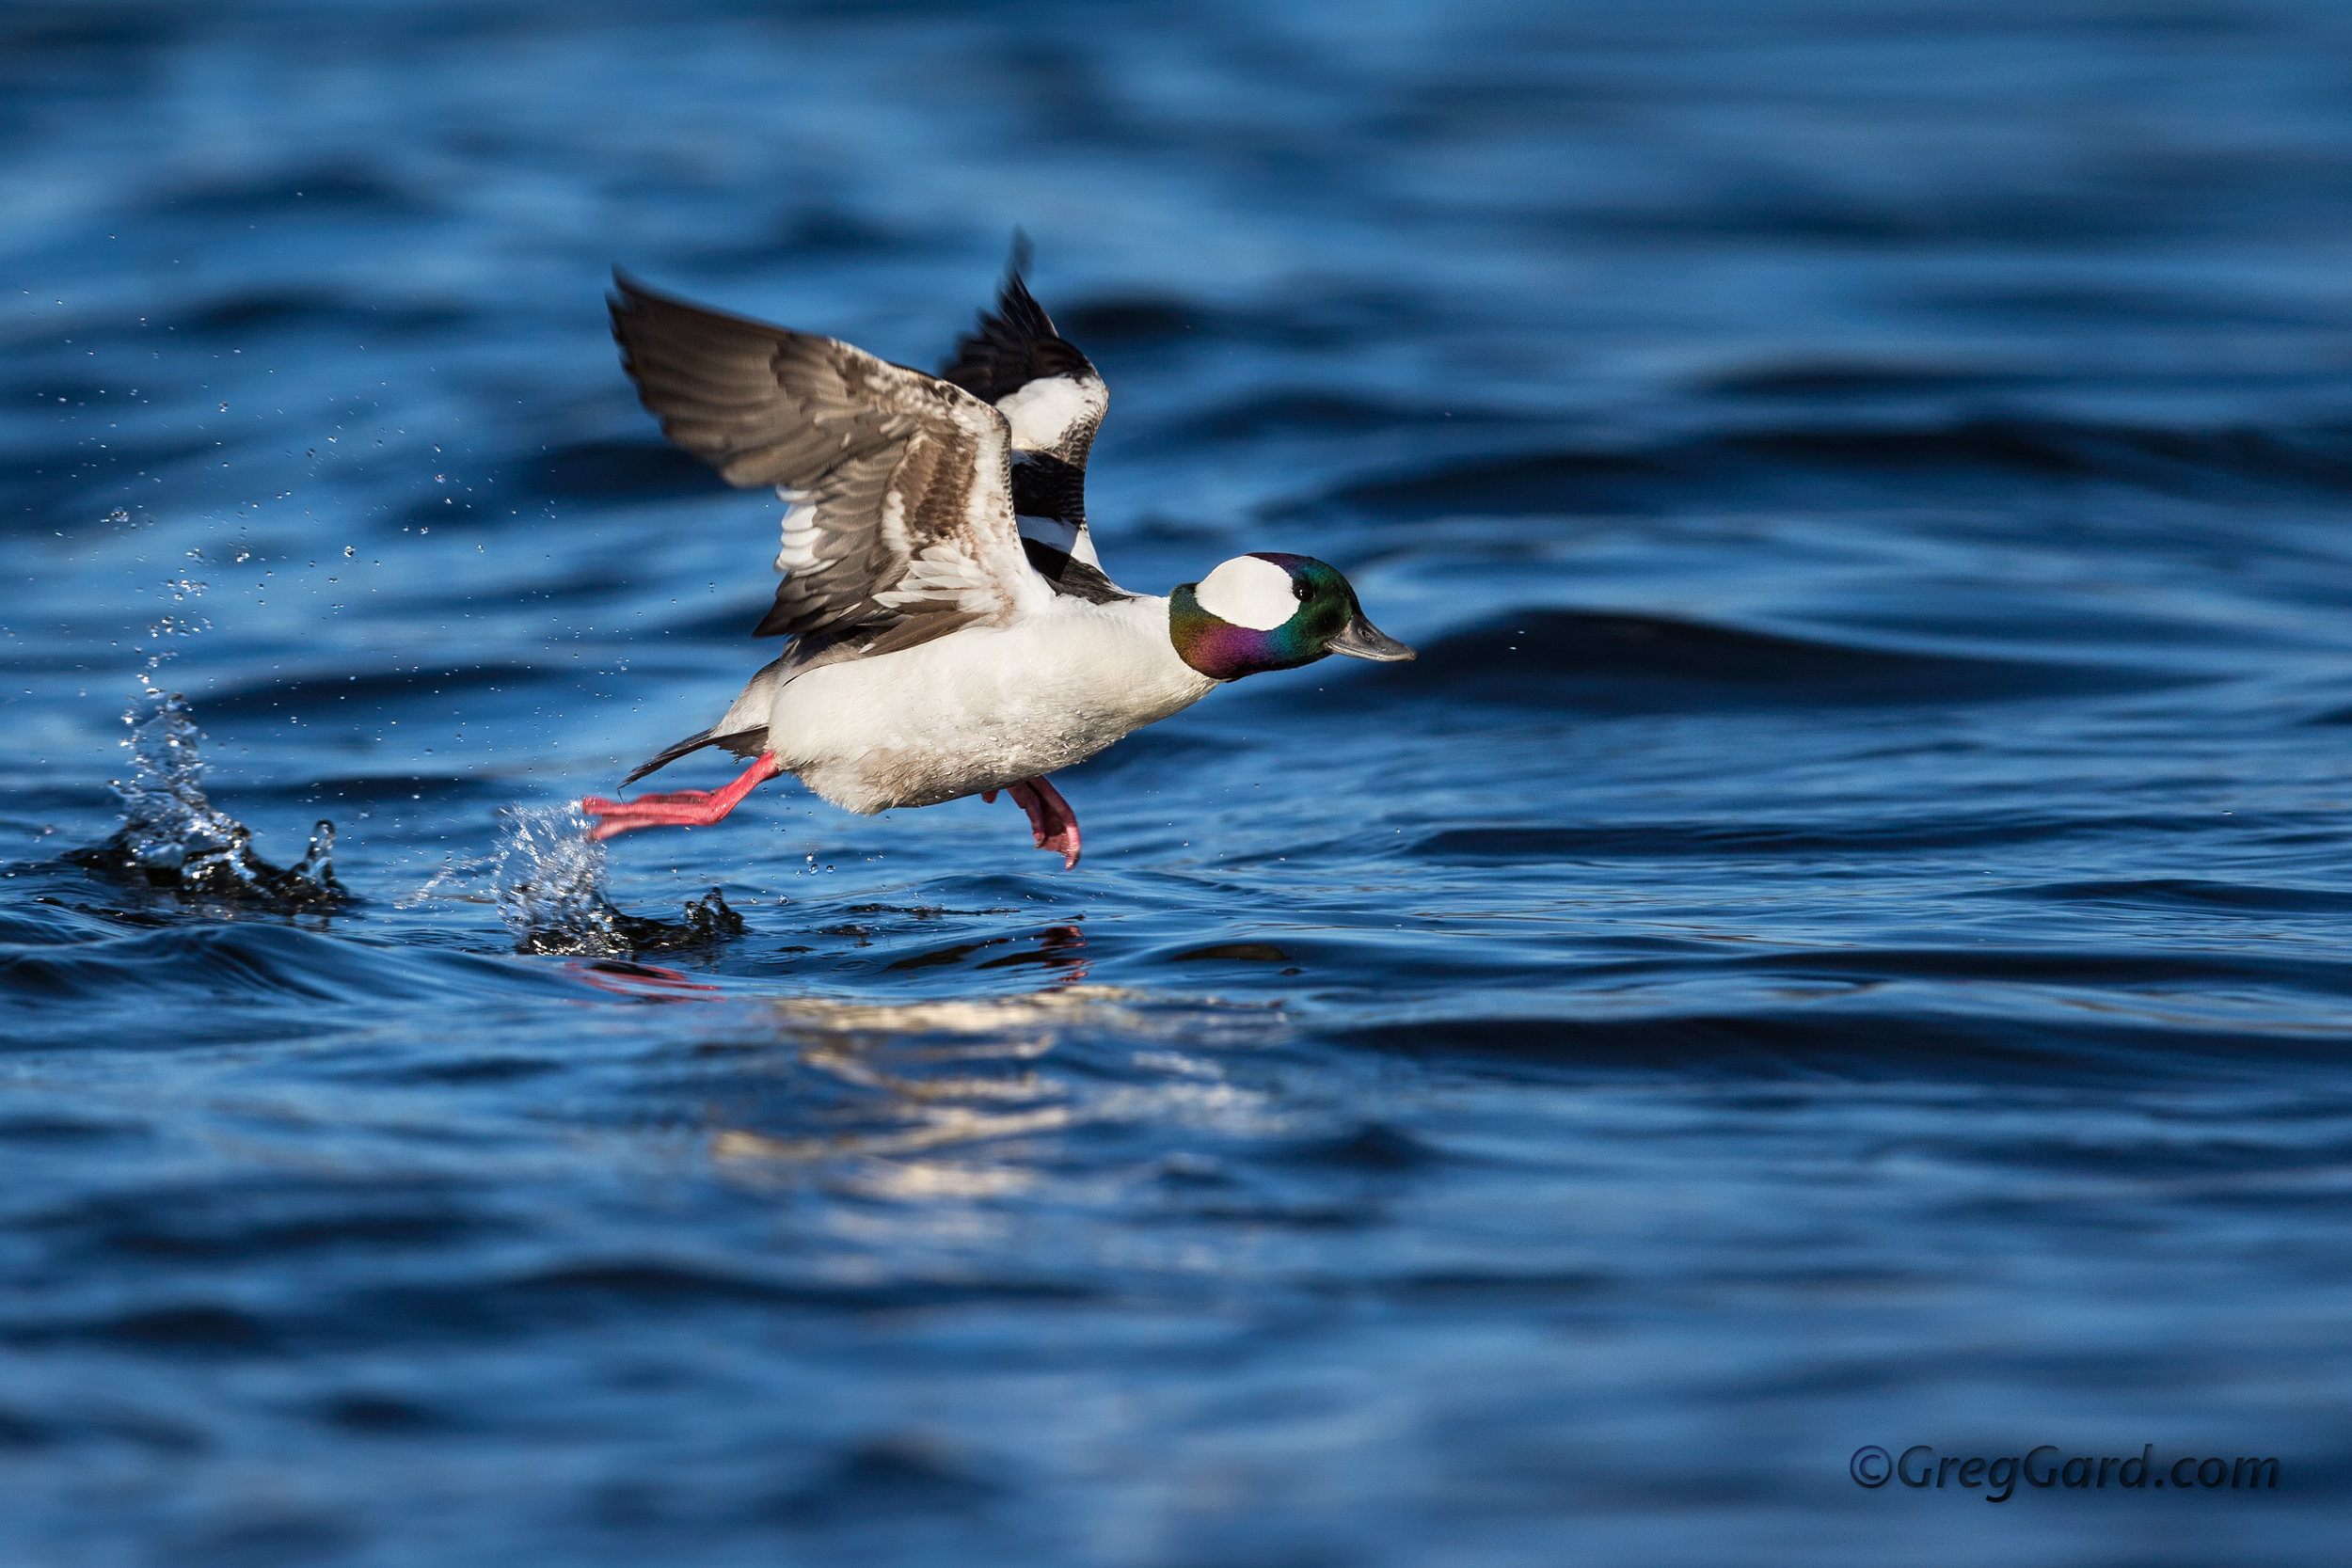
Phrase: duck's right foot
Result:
[679,808]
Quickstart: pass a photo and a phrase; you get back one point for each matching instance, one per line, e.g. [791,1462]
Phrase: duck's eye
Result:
[1302,591]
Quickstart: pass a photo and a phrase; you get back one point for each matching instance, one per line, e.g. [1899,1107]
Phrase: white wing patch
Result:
[1044,410]
[945,576]
[799,550]
[1248,591]
[894,523]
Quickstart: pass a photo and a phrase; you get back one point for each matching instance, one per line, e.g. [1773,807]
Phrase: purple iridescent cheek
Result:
[1224,652]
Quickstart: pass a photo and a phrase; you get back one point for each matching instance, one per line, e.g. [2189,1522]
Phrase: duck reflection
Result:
[920,1070]
[641,982]
[867,1080]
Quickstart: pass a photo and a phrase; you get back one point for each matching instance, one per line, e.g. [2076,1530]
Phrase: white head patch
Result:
[1042,412]
[1248,591]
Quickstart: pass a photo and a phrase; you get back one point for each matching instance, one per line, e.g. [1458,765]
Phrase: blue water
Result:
[1840,939]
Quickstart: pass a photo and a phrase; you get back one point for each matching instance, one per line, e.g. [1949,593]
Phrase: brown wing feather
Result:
[902,516]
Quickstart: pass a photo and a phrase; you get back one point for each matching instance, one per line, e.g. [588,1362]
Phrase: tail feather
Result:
[742,743]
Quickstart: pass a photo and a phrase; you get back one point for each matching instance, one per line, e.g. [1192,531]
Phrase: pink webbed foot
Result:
[1051,820]
[679,808]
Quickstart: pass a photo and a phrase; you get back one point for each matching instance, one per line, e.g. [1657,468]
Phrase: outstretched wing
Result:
[1053,400]
[900,526]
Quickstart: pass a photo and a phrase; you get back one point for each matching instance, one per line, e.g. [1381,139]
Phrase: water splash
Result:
[548,878]
[178,623]
[548,881]
[172,835]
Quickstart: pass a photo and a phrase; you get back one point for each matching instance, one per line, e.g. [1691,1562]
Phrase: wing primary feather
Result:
[897,483]
[1053,400]
[1014,344]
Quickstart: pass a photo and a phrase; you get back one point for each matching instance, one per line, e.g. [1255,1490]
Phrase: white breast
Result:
[983,707]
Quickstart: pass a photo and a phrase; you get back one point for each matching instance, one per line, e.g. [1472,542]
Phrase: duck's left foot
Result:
[1051,820]
[679,808]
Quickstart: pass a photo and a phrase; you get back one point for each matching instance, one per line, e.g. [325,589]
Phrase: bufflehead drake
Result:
[953,631]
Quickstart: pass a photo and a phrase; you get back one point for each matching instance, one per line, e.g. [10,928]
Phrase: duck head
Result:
[1269,611]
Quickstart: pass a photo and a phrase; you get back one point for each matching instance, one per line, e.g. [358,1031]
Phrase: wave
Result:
[344,189]
[479,1304]
[1320,411]
[1599,661]
[1535,843]
[2186,892]
[1852,378]
[316,697]
[1851,465]
[247,962]
[580,475]
[238,318]
[1870,1045]
[1320,318]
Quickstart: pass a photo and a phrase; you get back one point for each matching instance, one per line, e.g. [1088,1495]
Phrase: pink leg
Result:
[680,808]
[1051,820]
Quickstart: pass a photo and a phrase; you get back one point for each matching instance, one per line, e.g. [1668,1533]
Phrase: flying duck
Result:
[952,630]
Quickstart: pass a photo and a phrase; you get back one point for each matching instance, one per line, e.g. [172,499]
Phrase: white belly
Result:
[983,707]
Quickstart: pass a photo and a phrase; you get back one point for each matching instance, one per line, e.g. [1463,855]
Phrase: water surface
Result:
[1838,940]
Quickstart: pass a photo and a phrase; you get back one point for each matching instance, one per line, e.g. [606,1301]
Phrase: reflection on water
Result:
[928,1075]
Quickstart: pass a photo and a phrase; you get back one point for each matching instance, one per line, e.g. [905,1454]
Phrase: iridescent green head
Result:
[1268,611]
